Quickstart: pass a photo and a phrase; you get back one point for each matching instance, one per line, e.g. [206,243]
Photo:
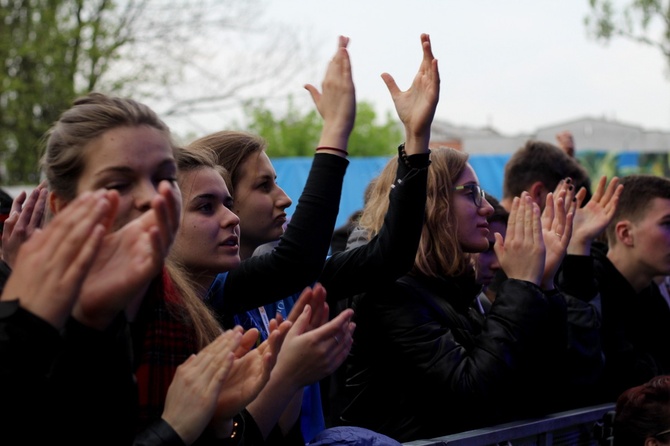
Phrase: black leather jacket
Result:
[426,363]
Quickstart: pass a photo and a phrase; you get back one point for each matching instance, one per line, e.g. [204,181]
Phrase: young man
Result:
[636,317]
[537,168]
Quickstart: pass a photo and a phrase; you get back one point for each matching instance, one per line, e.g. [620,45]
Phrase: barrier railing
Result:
[573,428]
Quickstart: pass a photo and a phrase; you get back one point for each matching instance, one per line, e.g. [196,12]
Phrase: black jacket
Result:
[426,363]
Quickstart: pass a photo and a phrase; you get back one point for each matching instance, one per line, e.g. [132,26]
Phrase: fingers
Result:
[216,359]
[17,204]
[427,48]
[600,189]
[391,84]
[534,210]
[499,246]
[611,190]
[512,226]
[40,209]
[305,299]
[314,93]
[249,339]
[320,312]
[113,198]
[343,42]
[549,212]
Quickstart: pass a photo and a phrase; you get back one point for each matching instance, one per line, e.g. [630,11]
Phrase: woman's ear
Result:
[56,204]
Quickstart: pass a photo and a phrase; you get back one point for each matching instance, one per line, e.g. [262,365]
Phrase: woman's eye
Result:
[116,186]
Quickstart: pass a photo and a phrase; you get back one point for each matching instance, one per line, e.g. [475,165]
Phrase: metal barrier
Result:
[570,428]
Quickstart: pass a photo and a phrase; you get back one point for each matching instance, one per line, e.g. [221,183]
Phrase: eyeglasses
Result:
[476,192]
[666,432]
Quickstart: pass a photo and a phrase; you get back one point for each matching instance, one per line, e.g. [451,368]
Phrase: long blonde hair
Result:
[439,252]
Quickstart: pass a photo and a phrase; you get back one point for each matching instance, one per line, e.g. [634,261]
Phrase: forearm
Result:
[298,259]
[391,253]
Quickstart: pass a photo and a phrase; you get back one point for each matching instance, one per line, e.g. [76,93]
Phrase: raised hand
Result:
[592,219]
[52,264]
[557,222]
[310,355]
[313,349]
[192,397]
[128,260]
[26,215]
[337,103]
[522,253]
[416,106]
[250,371]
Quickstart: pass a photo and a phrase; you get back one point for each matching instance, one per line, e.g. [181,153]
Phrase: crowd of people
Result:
[139,307]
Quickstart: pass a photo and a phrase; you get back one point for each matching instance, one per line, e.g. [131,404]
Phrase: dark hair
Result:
[643,412]
[544,162]
[638,192]
[500,214]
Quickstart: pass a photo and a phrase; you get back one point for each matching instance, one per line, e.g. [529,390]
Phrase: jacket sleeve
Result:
[576,280]
[475,365]
[28,348]
[390,254]
[298,259]
[99,360]
[159,433]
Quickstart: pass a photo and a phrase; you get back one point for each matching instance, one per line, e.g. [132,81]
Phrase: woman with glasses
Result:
[425,362]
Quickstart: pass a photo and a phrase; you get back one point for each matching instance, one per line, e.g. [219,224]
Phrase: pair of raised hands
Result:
[76,265]
[536,242]
[415,107]
[228,375]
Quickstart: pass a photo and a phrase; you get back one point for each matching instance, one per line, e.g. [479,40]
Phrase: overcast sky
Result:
[515,65]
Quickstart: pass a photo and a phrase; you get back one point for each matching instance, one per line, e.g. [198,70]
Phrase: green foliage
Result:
[643,21]
[47,47]
[297,134]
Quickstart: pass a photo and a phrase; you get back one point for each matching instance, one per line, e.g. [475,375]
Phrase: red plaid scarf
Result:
[162,342]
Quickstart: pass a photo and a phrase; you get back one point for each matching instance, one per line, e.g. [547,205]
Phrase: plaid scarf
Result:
[162,342]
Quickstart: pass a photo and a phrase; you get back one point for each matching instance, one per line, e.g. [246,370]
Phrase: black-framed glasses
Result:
[477,193]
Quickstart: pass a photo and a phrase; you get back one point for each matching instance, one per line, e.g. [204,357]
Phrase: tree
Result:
[166,51]
[297,134]
[643,21]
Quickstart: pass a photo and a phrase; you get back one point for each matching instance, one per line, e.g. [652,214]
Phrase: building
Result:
[590,134]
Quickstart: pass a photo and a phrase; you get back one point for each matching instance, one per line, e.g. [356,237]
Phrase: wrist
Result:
[332,150]
[334,137]
[579,247]
[416,144]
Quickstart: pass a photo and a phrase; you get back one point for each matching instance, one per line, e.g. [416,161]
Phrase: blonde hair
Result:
[89,117]
[439,252]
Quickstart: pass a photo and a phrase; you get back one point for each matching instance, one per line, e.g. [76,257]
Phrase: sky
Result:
[513,65]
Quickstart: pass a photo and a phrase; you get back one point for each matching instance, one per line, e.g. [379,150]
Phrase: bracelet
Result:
[238,431]
[344,152]
[403,155]
[422,159]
